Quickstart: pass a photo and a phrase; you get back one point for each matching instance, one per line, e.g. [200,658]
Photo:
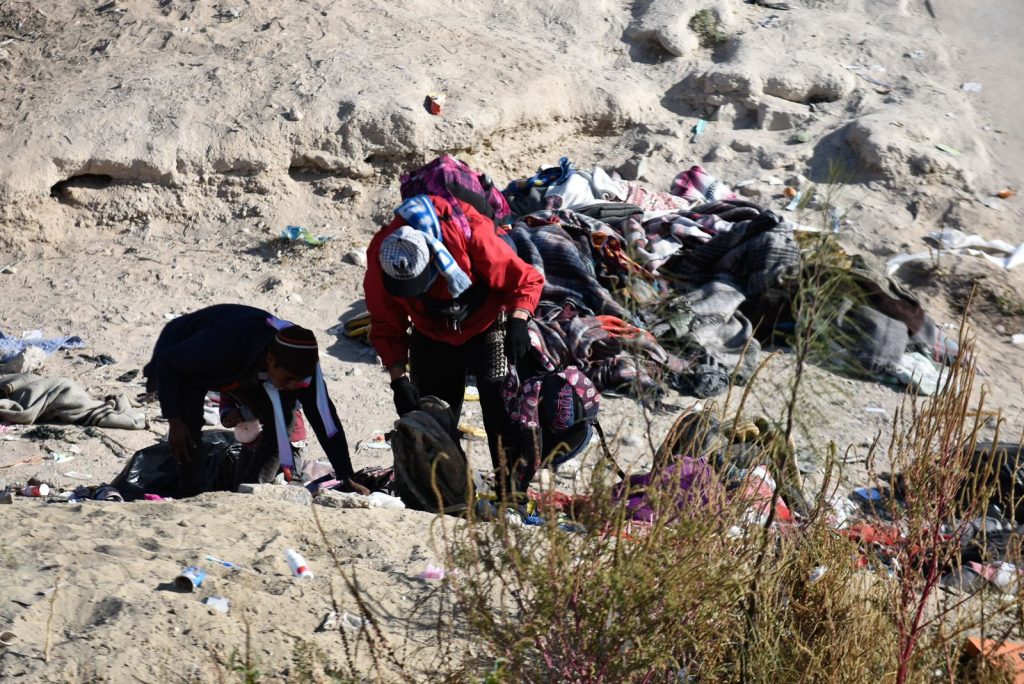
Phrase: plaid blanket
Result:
[566,260]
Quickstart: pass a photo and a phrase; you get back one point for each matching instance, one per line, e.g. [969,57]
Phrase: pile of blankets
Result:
[646,290]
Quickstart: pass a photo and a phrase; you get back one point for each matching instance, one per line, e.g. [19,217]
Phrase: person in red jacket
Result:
[467,297]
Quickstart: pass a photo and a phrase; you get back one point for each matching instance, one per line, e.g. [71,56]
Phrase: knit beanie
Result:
[295,349]
[405,261]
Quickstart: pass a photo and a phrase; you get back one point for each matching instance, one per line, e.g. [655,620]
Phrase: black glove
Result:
[517,339]
[407,397]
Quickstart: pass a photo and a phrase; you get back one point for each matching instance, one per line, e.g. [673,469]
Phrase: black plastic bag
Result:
[153,470]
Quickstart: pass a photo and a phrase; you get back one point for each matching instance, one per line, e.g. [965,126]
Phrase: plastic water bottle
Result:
[298,564]
[36,490]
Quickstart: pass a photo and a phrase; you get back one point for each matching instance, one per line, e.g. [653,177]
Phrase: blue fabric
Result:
[556,175]
[419,213]
[12,346]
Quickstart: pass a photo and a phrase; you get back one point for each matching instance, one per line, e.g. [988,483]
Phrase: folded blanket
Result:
[27,398]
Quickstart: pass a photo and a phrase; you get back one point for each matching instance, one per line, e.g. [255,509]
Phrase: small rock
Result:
[796,180]
[289,493]
[184,523]
[333,499]
[631,441]
[357,257]
[634,169]
[9,270]
[1018,339]
[27,361]
[293,114]
[741,146]
[297,298]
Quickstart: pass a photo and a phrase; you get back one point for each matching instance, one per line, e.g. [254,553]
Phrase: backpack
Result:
[453,179]
[431,471]
[556,408]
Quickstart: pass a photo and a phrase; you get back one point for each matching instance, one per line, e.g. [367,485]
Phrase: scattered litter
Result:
[971,87]
[100,359]
[190,578]
[991,203]
[698,130]
[382,500]
[156,497]
[128,377]
[75,475]
[218,603]
[12,346]
[293,114]
[39,490]
[472,431]
[58,457]
[435,102]
[795,201]
[947,149]
[1005,193]
[377,441]
[1018,339]
[330,622]
[875,409]
[958,243]
[432,572]
[298,564]
[298,233]
[351,621]
[790,191]
[817,573]
[226,564]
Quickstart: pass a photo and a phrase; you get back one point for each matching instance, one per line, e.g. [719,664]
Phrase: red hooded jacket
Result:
[485,257]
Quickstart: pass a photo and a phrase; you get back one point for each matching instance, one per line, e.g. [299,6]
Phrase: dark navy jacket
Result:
[222,348]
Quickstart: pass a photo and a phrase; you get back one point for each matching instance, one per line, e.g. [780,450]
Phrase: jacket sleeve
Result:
[389,323]
[335,447]
[496,263]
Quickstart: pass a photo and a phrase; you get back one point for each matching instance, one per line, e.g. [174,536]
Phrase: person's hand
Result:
[407,397]
[179,437]
[517,338]
[231,418]
[358,488]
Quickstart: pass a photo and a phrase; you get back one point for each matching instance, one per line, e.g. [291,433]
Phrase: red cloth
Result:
[484,257]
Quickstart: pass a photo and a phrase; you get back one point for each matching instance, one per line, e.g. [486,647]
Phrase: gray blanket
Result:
[26,398]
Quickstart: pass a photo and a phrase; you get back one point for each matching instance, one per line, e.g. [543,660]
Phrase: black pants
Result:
[440,369]
[256,465]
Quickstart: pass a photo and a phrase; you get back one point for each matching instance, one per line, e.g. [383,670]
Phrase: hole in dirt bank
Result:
[306,174]
[91,181]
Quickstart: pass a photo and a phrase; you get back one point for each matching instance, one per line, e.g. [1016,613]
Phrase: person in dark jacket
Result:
[467,297]
[266,364]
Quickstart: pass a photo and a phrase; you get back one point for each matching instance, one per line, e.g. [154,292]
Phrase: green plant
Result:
[708,28]
[245,665]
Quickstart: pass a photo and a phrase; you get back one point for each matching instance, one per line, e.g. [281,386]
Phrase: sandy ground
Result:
[154,154]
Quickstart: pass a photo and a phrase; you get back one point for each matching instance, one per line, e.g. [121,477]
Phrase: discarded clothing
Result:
[12,346]
[27,398]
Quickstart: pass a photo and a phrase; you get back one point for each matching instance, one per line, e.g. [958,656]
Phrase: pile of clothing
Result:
[646,290]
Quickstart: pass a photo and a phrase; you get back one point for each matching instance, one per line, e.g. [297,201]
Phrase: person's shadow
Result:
[347,349]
